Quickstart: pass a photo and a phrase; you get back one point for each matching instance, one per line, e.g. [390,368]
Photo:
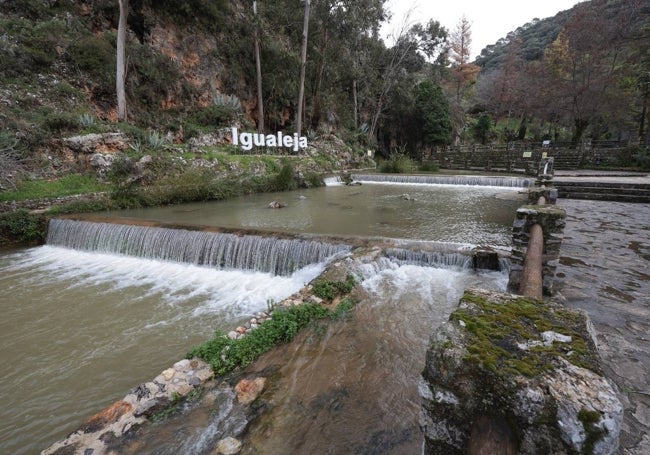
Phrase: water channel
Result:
[80,328]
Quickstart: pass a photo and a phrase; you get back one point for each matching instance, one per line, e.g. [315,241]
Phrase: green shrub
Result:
[397,163]
[214,116]
[429,166]
[285,179]
[329,290]
[23,226]
[57,122]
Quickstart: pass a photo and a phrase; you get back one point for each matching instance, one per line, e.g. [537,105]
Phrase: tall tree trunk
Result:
[121,61]
[355,101]
[258,66]
[303,65]
[580,126]
[644,113]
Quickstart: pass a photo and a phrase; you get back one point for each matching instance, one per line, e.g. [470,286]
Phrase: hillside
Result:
[191,72]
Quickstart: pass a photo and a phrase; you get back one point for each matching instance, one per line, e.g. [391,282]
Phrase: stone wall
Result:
[552,219]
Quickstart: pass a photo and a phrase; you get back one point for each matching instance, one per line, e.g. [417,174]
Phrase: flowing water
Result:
[84,323]
[347,387]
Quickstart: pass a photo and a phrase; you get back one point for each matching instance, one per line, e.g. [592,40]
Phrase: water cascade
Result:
[467,180]
[218,250]
[438,259]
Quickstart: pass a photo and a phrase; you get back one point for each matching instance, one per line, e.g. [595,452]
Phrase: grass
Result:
[65,186]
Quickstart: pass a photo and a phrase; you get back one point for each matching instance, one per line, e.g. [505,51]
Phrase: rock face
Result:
[514,375]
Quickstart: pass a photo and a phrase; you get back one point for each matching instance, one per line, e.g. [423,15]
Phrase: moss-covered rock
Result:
[524,370]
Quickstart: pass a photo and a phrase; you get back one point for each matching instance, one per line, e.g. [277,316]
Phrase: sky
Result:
[490,20]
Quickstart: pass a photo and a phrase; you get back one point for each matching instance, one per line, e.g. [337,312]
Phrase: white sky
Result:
[490,20]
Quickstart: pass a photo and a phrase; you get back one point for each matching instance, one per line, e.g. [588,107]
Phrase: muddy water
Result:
[467,214]
[348,386]
[79,330]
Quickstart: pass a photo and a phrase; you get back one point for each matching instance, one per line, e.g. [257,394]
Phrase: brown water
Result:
[343,387]
[467,214]
[80,329]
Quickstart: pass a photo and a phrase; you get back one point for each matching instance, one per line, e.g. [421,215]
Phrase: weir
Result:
[211,249]
[467,180]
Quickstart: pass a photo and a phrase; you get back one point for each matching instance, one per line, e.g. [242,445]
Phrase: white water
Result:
[80,329]
[350,387]
[453,180]
[213,249]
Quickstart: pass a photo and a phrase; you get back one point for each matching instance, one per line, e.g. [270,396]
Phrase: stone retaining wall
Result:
[552,219]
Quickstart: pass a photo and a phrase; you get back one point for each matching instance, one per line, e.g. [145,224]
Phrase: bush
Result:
[23,226]
[429,166]
[329,290]
[214,116]
[398,163]
[61,121]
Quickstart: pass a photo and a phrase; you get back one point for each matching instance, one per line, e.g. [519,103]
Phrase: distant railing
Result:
[524,156]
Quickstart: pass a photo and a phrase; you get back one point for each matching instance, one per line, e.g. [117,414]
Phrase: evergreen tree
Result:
[434,114]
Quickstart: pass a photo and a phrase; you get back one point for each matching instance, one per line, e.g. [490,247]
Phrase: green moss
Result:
[498,330]
[589,419]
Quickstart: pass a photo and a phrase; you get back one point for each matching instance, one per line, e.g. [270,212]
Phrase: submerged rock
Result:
[517,375]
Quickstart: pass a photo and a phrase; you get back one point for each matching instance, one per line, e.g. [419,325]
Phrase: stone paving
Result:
[605,270]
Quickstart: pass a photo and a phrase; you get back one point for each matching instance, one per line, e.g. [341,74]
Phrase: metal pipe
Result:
[531,278]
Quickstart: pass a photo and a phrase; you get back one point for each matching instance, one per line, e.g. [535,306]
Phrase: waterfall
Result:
[438,259]
[218,250]
[467,180]
[333,181]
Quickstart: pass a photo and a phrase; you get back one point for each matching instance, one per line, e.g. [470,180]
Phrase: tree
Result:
[582,69]
[258,67]
[482,129]
[303,65]
[434,114]
[463,72]
[121,61]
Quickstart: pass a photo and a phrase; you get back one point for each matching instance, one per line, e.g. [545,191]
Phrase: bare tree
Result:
[121,61]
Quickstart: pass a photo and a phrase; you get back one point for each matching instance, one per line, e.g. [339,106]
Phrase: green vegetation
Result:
[67,185]
[22,226]
[397,163]
[589,419]
[499,327]
[226,354]
[329,290]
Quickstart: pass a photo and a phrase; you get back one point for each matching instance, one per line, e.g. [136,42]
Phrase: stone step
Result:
[610,185]
[605,190]
[605,197]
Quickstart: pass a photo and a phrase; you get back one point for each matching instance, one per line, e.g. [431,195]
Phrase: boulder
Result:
[516,375]
[97,143]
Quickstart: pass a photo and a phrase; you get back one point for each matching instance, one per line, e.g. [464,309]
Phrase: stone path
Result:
[605,270]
